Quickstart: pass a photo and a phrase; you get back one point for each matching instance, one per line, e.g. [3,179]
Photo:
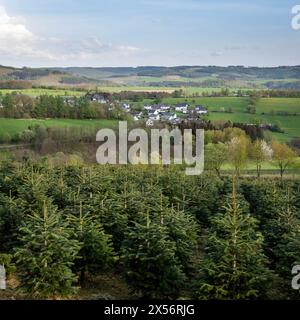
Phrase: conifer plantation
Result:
[163,234]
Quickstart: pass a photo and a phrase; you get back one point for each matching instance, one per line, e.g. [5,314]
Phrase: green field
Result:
[250,166]
[290,124]
[265,113]
[265,110]
[70,92]
[38,92]
[264,105]
[15,126]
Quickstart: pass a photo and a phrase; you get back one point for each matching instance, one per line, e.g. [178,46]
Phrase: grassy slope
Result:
[252,166]
[14,126]
[265,105]
[61,92]
[38,92]
[290,124]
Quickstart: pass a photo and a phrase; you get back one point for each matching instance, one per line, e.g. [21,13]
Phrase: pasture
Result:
[35,92]
[15,126]
[266,112]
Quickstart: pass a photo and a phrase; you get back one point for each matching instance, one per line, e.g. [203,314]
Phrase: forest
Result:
[165,234]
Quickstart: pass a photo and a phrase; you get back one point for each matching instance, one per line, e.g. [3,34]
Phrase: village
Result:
[168,113]
[153,113]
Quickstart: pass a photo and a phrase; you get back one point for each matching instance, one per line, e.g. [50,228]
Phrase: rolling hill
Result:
[181,76]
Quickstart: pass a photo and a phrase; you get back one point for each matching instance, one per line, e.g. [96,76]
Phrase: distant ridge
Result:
[281,77]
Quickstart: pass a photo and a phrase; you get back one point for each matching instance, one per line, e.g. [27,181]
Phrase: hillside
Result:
[151,76]
[195,76]
[192,72]
[45,77]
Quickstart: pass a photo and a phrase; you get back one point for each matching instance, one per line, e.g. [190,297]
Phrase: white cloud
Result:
[16,40]
[11,28]
[21,46]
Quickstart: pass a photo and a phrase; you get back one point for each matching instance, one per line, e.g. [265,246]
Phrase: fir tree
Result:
[96,252]
[149,260]
[234,266]
[59,191]
[46,254]
[33,190]
[11,216]
[286,249]
[183,230]
[110,211]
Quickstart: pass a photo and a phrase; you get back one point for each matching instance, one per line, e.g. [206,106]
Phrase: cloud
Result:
[11,28]
[18,43]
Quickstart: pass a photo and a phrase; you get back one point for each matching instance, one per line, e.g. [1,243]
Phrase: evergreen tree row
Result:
[167,234]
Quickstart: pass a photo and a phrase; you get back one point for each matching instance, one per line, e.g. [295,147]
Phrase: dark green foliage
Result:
[7,261]
[97,214]
[33,190]
[47,254]
[150,264]
[96,253]
[21,106]
[10,220]
[277,208]
[184,231]
[286,247]
[234,266]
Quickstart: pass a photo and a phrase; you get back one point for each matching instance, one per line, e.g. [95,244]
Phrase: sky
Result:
[118,33]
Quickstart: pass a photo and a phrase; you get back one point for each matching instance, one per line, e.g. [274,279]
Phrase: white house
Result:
[164,107]
[148,107]
[201,109]
[126,107]
[156,112]
[182,107]
[169,116]
[153,116]
[137,116]
[98,97]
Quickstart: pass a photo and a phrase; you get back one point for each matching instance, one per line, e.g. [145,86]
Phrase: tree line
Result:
[21,106]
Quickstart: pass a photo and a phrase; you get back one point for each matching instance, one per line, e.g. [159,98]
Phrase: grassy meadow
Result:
[34,92]
[266,110]
[38,92]
[15,126]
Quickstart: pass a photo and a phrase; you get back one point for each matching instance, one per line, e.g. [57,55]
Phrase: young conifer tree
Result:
[287,246]
[184,231]
[96,252]
[46,255]
[234,266]
[151,267]
[10,220]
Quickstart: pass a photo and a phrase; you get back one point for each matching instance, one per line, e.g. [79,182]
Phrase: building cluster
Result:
[172,114]
[168,113]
